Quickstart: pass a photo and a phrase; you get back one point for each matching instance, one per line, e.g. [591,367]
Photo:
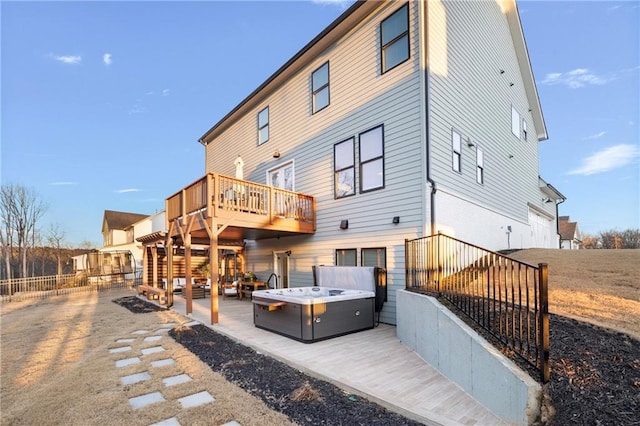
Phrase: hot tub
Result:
[310,314]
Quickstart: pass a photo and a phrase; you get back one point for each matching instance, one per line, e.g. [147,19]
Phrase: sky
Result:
[103,102]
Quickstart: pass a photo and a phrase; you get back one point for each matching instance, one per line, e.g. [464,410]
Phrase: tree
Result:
[613,239]
[20,211]
[56,238]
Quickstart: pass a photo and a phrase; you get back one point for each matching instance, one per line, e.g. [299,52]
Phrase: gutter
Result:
[425,64]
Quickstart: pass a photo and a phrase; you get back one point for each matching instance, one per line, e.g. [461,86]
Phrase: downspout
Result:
[424,63]
[557,223]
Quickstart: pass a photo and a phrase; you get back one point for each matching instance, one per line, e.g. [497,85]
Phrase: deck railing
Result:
[506,297]
[215,192]
[17,289]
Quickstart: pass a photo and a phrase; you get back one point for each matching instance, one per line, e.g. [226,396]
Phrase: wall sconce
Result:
[547,200]
[510,84]
[288,253]
[276,154]
[395,220]
[501,71]
[510,156]
[344,224]
[470,144]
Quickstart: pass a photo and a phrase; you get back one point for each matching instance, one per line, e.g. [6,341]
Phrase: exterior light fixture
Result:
[395,220]
[276,154]
[344,224]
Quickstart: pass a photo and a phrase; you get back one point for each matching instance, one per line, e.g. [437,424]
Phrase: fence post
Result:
[543,343]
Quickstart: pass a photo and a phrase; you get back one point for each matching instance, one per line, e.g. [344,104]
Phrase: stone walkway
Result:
[126,353]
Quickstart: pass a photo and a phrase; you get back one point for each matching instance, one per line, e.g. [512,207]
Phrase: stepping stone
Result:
[125,340]
[144,400]
[162,330]
[192,323]
[176,380]
[140,332]
[163,362]
[127,361]
[173,421]
[135,378]
[233,423]
[120,349]
[152,338]
[152,350]
[196,399]
[169,324]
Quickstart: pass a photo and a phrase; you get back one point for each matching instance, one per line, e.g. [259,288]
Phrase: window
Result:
[456,151]
[263,126]
[320,88]
[394,39]
[524,129]
[479,166]
[372,159]
[374,257]
[515,122]
[344,169]
[346,257]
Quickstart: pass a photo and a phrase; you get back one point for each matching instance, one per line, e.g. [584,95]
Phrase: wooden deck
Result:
[372,363]
[236,209]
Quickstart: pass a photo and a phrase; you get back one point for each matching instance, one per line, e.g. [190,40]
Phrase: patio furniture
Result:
[248,287]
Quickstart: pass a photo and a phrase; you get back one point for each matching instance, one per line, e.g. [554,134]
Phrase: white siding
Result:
[470,44]
[361,98]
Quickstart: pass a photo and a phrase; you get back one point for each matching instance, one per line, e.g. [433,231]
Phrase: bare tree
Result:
[56,238]
[20,210]
[7,231]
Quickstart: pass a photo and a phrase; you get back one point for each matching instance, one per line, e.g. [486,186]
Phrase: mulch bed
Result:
[595,377]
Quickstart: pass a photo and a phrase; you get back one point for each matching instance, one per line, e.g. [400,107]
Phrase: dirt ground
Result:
[56,367]
[597,286]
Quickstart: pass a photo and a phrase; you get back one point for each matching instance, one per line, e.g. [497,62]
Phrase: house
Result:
[120,230]
[399,120]
[570,236]
[402,119]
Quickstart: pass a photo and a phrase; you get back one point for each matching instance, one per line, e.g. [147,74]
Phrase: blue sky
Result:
[103,102]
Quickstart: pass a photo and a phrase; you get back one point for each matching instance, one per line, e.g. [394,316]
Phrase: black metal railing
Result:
[506,297]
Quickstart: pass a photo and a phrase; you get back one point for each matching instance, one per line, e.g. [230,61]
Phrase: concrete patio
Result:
[372,363]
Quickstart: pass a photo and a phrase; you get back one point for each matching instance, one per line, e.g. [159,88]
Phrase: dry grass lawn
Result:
[56,367]
[598,286]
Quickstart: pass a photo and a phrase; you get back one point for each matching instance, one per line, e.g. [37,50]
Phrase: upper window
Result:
[372,159]
[394,38]
[346,257]
[515,122]
[344,169]
[263,126]
[456,151]
[320,87]
[479,166]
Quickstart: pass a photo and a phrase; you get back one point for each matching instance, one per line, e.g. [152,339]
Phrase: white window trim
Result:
[479,166]
[282,166]
[456,143]
[515,123]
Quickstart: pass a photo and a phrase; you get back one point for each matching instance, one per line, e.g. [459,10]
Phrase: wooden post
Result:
[154,263]
[187,274]
[168,249]
[213,268]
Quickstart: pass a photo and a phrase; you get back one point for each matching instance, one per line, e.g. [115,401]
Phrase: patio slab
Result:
[144,400]
[196,399]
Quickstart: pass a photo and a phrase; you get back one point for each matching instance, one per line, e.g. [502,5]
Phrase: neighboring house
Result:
[401,119]
[120,230]
[570,237]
